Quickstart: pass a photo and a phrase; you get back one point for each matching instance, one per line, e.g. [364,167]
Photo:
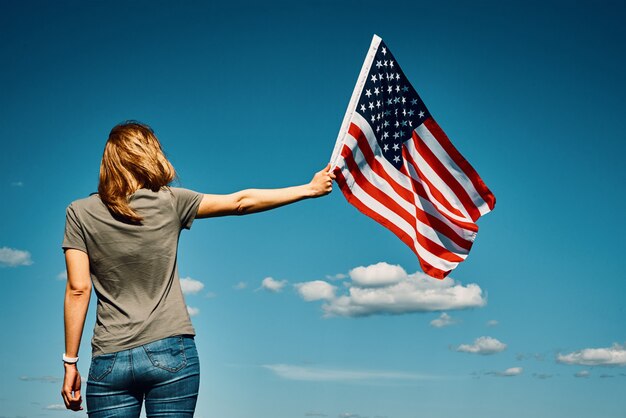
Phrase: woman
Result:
[124,240]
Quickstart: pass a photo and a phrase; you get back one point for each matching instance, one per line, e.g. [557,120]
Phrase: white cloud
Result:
[381,274]
[191,286]
[404,294]
[513,371]
[210,295]
[240,286]
[56,407]
[192,311]
[444,320]
[492,323]
[338,276]
[483,346]
[315,290]
[610,356]
[582,373]
[542,376]
[62,275]
[292,372]
[17,183]
[45,379]
[273,285]
[10,257]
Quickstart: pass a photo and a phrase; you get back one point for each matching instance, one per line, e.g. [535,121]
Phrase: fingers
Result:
[71,393]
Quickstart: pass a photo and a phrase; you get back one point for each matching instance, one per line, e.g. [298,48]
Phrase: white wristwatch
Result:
[69,360]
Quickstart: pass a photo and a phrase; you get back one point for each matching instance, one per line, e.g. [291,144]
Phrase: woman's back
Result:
[133,266]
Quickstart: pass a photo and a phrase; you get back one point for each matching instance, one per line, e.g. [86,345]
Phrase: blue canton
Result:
[391,105]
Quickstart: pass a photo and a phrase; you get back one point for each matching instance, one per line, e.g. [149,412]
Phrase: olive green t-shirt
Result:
[133,267]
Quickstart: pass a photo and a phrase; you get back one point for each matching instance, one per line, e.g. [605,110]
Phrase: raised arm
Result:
[77,294]
[257,200]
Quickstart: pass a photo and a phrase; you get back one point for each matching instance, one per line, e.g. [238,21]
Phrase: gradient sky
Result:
[252,95]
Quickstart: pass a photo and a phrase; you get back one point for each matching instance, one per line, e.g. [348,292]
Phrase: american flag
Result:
[395,164]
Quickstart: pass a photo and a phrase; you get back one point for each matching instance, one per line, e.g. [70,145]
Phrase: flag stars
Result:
[386,148]
[379,64]
[397,89]
[391,63]
[396,147]
[410,112]
[421,114]
[373,118]
[389,101]
[376,91]
[405,89]
[371,106]
[389,89]
[385,135]
[384,51]
[386,124]
[396,135]
[363,108]
[414,102]
[374,78]
[378,103]
[368,93]
[396,159]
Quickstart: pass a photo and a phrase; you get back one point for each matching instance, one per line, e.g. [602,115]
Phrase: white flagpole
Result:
[358,88]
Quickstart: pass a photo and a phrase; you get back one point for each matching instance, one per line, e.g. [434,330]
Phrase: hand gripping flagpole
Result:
[358,88]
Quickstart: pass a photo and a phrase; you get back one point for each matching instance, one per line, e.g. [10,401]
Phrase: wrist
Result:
[69,360]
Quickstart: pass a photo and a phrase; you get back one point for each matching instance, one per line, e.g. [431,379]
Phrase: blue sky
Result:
[252,95]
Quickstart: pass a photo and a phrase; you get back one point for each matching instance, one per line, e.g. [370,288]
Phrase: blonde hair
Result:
[132,159]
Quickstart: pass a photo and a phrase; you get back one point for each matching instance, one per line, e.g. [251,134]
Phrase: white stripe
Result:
[436,181]
[391,216]
[384,186]
[433,207]
[441,154]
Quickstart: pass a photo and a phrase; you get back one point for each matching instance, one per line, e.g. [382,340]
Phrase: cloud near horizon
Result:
[510,372]
[609,356]
[273,285]
[483,346]
[307,373]
[388,289]
[11,257]
[444,320]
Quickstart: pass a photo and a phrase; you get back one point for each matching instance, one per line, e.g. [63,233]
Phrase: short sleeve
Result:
[74,236]
[186,203]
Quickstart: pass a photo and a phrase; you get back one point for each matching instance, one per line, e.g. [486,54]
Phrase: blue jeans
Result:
[166,373]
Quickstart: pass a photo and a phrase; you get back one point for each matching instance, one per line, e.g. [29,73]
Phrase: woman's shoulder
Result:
[85,203]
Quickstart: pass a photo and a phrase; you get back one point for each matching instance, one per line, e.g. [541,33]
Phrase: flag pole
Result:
[358,88]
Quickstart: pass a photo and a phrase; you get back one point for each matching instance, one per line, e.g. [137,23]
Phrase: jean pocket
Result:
[101,366]
[167,353]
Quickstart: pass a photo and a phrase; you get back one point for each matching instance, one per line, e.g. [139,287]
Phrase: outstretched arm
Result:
[77,294]
[257,200]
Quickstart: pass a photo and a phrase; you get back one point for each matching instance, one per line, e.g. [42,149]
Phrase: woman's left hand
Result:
[71,388]
[322,182]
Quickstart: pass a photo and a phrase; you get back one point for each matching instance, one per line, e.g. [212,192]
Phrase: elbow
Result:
[243,206]
[78,291]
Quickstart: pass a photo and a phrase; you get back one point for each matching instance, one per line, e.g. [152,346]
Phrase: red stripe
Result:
[380,196]
[441,170]
[456,156]
[407,195]
[437,195]
[353,200]
[419,190]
